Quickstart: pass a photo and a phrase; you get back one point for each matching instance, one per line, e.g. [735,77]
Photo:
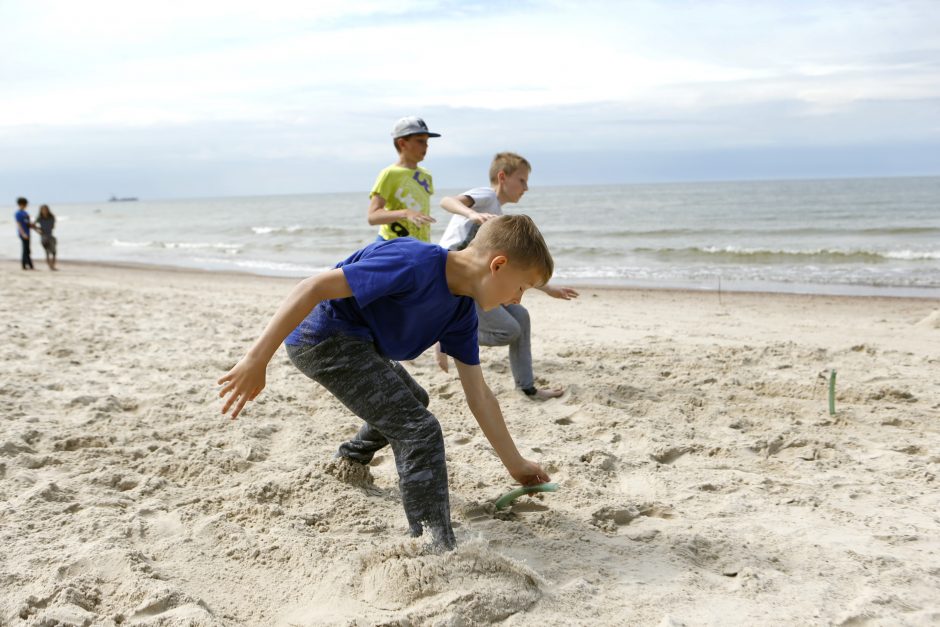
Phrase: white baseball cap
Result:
[411,125]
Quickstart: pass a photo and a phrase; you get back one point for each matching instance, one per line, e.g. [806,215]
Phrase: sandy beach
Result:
[702,478]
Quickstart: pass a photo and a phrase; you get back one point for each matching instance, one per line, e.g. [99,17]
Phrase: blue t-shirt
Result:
[400,302]
[23,219]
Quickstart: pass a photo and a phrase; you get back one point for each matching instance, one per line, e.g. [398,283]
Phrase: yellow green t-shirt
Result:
[404,188]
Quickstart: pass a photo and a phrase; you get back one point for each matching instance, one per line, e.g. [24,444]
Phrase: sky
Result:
[220,98]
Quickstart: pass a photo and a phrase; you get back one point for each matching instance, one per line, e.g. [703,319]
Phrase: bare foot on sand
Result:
[547,393]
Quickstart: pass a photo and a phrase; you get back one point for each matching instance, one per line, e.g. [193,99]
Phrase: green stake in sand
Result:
[512,495]
[832,392]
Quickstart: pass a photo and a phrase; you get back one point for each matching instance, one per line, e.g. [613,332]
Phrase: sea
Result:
[861,236]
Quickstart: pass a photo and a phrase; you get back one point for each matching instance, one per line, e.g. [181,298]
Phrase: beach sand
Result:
[702,478]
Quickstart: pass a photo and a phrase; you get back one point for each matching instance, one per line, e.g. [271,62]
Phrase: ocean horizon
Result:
[858,236]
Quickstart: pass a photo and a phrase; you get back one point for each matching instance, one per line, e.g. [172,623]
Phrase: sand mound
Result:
[472,584]
[349,472]
[931,321]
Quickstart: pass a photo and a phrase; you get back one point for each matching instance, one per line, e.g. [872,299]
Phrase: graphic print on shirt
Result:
[425,183]
[408,202]
[409,190]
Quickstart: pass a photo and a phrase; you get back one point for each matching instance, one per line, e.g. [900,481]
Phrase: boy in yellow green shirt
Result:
[400,200]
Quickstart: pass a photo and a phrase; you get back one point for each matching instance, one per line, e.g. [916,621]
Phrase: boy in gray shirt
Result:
[506,325]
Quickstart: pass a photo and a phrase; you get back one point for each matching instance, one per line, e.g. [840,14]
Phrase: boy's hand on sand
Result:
[441,357]
[529,473]
[564,293]
[242,384]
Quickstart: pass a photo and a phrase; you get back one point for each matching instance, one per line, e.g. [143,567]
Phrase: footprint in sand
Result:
[171,607]
[63,605]
[610,518]
[908,449]
[670,454]
[600,459]
[789,447]
[445,392]
[565,415]
[12,448]
[892,394]
[76,599]
[82,442]
[458,438]
[476,511]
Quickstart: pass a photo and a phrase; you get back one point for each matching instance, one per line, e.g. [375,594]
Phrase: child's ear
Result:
[501,177]
[498,262]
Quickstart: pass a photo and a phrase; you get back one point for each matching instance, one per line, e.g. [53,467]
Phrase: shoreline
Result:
[840,291]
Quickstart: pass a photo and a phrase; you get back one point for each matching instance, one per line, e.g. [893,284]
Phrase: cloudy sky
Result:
[213,98]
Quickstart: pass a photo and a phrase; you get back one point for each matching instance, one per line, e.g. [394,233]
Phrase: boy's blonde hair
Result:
[517,237]
[507,162]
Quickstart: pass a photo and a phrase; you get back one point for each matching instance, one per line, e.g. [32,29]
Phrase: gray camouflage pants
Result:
[395,410]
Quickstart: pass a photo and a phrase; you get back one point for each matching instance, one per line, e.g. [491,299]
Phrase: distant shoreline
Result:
[840,291]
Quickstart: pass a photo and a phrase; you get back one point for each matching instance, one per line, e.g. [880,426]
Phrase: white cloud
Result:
[205,60]
[318,80]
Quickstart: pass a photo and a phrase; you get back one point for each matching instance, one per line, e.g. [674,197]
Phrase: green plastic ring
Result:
[512,495]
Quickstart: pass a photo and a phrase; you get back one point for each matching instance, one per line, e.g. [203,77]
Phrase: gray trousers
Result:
[395,410]
[508,325]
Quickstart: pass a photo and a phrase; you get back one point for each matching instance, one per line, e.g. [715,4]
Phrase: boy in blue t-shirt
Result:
[23,225]
[348,327]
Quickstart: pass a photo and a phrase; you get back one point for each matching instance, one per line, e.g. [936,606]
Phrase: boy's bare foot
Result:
[542,394]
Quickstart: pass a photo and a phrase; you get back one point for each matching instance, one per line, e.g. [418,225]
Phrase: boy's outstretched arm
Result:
[247,378]
[489,416]
[463,206]
[564,293]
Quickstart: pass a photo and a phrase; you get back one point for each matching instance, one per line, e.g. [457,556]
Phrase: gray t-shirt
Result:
[460,230]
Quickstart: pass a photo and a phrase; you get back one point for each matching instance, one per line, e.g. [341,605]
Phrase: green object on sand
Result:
[832,392]
[512,495]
